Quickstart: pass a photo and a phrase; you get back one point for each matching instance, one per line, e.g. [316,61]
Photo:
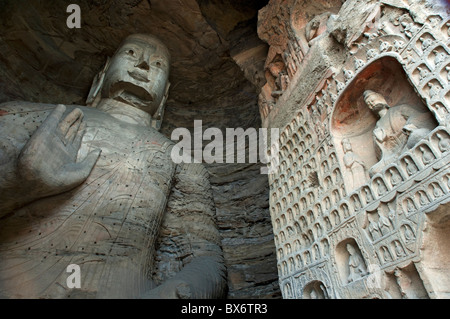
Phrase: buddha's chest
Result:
[120,206]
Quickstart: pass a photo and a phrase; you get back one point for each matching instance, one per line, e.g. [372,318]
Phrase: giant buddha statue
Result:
[95,186]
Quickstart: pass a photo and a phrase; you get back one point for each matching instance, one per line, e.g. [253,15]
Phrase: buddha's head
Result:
[375,101]
[137,74]
[350,249]
[346,145]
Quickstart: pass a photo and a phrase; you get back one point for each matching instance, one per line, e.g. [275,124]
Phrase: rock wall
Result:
[360,190]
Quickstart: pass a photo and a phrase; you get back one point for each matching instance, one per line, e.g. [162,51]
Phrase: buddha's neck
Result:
[125,112]
[382,112]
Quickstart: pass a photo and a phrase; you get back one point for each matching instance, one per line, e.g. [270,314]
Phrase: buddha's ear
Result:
[157,118]
[97,84]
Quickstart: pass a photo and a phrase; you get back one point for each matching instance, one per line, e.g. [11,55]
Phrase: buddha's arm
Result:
[190,240]
[43,164]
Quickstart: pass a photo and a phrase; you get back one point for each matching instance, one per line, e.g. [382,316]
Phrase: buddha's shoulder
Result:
[93,118]
[12,107]
[24,107]
[147,137]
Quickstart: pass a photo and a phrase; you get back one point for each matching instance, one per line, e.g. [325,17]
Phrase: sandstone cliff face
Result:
[216,75]
[357,203]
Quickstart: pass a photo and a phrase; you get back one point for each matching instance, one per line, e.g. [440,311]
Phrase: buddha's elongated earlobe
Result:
[97,84]
[157,118]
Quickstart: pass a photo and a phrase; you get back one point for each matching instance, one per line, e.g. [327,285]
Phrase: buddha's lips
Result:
[139,75]
[138,91]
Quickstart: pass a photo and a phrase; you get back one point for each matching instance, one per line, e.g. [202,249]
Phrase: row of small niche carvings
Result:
[299,168]
[306,243]
[354,166]
[376,228]
[315,254]
[411,163]
[350,261]
[422,198]
[395,178]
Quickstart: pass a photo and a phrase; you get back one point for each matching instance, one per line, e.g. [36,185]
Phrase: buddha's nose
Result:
[143,65]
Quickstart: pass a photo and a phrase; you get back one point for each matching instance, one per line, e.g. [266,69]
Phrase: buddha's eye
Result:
[158,64]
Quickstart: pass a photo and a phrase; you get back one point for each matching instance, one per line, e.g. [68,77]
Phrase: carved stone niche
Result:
[355,127]
[287,291]
[435,257]
[404,283]
[315,290]
[349,261]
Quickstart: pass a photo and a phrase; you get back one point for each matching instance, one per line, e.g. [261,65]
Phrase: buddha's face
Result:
[346,145]
[370,101]
[375,102]
[350,249]
[138,73]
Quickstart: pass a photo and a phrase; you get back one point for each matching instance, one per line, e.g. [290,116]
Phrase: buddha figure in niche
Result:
[94,187]
[354,165]
[355,264]
[397,129]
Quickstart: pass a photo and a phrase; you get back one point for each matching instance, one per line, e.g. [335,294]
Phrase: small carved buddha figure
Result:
[356,203]
[437,190]
[368,193]
[444,143]
[408,234]
[355,264]
[92,186]
[390,137]
[387,257]
[374,229]
[395,177]
[427,156]
[399,249]
[423,198]
[384,224]
[328,223]
[381,187]
[411,208]
[354,165]
[411,168]
[345,210]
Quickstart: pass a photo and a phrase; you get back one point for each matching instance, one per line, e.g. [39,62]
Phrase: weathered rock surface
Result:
[360,91]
